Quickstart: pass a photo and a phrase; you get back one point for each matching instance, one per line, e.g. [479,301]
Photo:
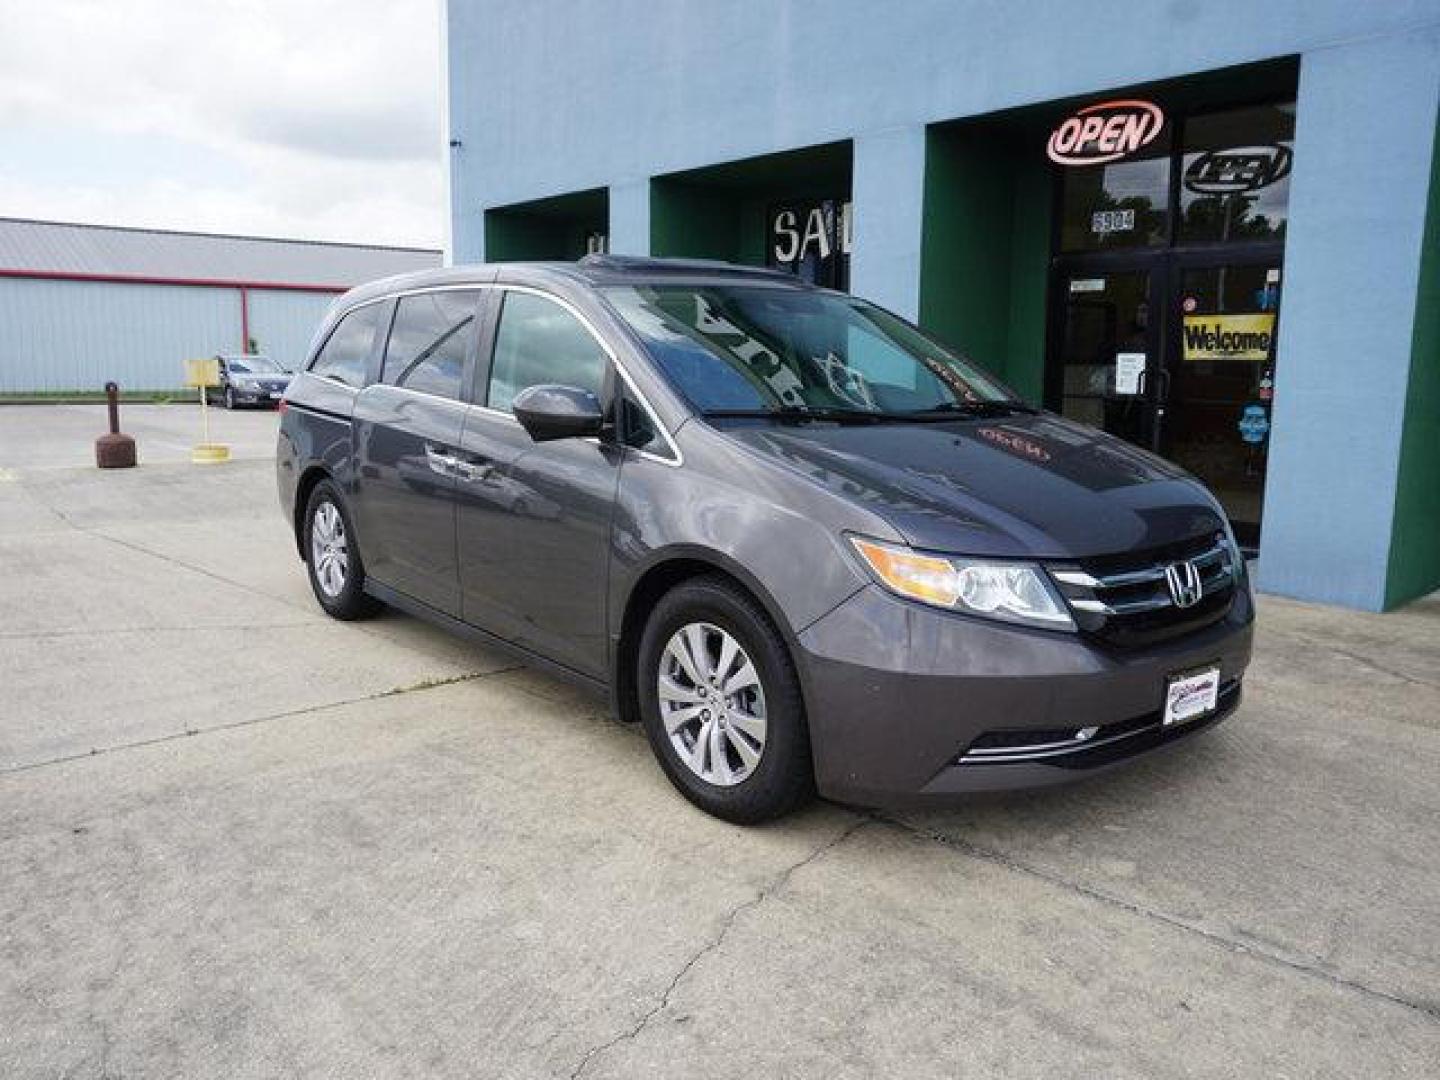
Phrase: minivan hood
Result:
[1020,485]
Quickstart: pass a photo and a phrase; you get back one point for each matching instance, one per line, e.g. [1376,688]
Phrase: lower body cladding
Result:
[908,705]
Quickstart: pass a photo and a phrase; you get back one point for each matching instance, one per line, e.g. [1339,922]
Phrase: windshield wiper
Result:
[974,408]
[803,413]
[800,413]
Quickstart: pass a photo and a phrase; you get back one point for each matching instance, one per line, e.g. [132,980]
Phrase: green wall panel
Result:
[1029,277]
[984,251]
[691,221]
[554,228]
[1414,568]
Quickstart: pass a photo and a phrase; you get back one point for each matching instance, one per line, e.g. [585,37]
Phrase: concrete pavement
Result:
[238,839]
[52,436]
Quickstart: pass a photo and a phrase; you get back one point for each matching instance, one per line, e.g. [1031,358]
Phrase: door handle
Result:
[449,465]
[1164,388]
[440,462]
[477,471]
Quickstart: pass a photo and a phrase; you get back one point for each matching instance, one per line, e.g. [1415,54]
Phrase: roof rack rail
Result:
[651,265]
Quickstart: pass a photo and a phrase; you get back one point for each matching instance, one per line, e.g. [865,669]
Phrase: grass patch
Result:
[84,397]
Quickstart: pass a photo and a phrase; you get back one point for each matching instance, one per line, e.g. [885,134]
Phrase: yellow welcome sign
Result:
[1229,337]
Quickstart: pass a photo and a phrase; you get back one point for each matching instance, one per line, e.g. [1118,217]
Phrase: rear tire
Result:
[721,703]
[332,557]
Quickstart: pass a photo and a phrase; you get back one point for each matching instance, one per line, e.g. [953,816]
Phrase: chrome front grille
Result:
[1131,601]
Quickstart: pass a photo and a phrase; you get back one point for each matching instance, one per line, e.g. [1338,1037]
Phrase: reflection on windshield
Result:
[253,365]
[767,348]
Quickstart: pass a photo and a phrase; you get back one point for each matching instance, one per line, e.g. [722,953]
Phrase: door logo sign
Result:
[1228,337]
[1186,588]
[1254,425]
[1238,169]
[1106,132]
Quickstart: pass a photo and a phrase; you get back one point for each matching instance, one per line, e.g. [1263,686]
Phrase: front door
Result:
[1107,367]
[534,519]
[1175,352]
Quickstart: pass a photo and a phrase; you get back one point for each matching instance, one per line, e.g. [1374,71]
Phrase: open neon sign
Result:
[1105,132]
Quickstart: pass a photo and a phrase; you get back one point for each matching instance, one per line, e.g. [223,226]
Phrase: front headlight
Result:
[1235,555]
[1011,591]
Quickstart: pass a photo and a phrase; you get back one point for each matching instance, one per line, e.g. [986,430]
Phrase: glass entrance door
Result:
[1222,381]
[1108,355]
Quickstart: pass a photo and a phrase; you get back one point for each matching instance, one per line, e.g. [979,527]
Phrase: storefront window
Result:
[1235,174]
[1118,205]
[811,239]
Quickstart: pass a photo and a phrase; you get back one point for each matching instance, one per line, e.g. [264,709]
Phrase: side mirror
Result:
[558,412]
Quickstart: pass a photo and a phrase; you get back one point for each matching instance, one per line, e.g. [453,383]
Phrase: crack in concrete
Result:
[1302,638]
[179,628]
[394,691]
[726,925]
[1009,862]
[141,549]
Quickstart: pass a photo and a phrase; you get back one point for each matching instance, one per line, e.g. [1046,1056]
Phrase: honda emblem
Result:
[1185,585]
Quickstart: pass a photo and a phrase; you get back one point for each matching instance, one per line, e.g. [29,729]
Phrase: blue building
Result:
[1210,228]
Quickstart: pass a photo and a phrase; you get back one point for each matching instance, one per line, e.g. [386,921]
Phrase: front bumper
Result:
[249,396]
[909,704]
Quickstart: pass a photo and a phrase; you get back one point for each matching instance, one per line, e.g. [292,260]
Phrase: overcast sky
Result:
[307,118]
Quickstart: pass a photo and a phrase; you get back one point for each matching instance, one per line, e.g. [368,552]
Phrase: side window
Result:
[540,342]
[429,340]
[346,354]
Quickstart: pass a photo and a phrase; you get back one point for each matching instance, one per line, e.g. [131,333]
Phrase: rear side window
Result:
[429,341]
[346,354]
[540,342]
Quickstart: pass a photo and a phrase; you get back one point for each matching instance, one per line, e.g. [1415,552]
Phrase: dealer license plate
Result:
[1188,697]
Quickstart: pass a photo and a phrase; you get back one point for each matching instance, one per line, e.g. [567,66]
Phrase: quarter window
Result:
[429,341]
[637,429]
[540,342]
[346,355]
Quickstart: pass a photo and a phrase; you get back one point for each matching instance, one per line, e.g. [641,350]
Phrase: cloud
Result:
[316,119]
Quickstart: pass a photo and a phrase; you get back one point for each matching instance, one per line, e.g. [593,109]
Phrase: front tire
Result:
[332,559]
[721,703]
[229,397]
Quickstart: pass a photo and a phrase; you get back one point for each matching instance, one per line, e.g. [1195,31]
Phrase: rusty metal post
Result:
[114,450]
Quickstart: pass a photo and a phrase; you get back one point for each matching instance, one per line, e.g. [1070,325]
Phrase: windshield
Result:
[253,365]
[753,348]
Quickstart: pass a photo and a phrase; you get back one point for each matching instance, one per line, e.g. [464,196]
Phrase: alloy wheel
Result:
[712,704]
[329,554]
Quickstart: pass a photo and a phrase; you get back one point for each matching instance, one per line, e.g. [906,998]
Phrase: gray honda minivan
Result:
[809,547]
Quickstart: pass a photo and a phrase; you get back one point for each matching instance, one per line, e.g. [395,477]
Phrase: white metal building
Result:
[84,304]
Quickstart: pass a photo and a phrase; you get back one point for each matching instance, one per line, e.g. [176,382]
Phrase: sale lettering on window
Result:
[812,240]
